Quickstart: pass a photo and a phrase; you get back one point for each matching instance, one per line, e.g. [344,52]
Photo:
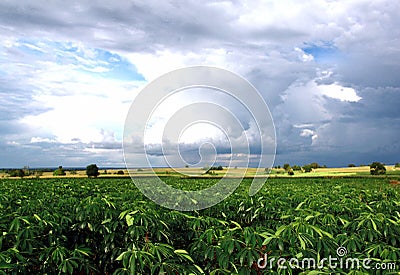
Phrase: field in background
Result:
[233,172]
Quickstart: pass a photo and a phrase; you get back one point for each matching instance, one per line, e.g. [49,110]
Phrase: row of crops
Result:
[106,226]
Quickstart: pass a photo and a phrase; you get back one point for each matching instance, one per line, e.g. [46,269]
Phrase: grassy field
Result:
[106,226]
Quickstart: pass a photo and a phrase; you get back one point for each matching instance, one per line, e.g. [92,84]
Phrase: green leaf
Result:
[300,205]
[268,240]
[37,217]
[374,225]
[199,268]
[184,254]
[106,221]
[121,256]
[122,214]
[316,272]
[309,217]
[237,226]
[280,230]
[84,251]
[302,243]
[129,220]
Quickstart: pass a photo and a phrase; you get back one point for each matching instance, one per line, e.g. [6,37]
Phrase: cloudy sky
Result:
[328,70]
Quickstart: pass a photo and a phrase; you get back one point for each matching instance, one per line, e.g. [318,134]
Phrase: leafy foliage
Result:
[59,171]
[307,168]
[106,226]
[92,171]
[296,168]
[377,168]
[17,173]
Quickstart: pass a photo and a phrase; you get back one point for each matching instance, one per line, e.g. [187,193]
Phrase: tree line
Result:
[376,168]
[92,170]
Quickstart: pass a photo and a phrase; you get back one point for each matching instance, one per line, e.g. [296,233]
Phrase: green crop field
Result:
[106,226]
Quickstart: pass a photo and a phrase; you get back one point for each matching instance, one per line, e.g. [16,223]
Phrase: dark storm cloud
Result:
[126,26]
[376,104]
[369,71]
[139,26]
[16,102]
[52,154]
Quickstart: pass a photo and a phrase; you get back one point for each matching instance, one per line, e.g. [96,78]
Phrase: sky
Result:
[328,70]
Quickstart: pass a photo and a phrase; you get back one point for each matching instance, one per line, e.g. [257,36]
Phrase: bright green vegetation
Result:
[106,226]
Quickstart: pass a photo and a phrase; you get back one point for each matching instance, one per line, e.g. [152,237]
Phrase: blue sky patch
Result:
[97,62]
[29,47]
[323,52]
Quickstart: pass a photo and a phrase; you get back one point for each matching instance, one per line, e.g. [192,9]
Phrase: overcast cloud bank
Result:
[329,71]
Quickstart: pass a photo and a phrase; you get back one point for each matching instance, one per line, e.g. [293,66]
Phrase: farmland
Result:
[360,171]
[106,226]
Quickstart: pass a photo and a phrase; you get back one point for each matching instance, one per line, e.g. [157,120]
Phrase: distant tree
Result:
[286,166]
[59,171]
[307,168]
[279,167]
[38,173]
[17,173]
[290,172]
[397,165]
[377,168]
[72,172]
[216,168]
[92,171]
[315,165]
[296,168]
[351,165]
[267,170]
[120,172]
[27,170]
